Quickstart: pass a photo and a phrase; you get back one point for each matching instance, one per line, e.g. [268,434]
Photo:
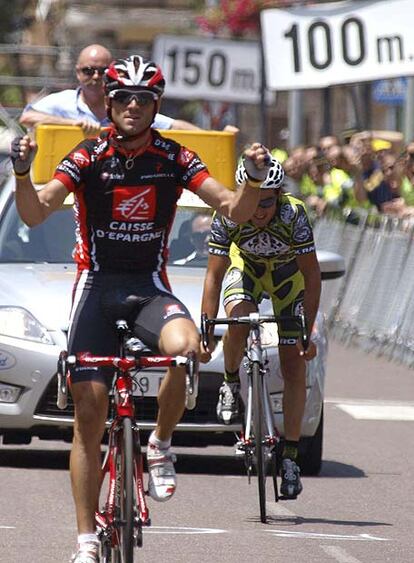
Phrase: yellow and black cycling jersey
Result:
[264,260]
[288,234]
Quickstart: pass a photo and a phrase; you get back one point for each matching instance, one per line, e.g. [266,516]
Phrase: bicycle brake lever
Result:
[203,326]
[304,332]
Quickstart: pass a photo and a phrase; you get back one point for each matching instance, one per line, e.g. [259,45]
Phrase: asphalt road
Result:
[360,508]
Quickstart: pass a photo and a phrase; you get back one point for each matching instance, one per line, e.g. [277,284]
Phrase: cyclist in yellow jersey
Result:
[273,252]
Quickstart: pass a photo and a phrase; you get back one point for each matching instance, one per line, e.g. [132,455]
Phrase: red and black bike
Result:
[125,512]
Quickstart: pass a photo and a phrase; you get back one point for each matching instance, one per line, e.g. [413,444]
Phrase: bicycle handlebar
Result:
[126,363]
[252,320]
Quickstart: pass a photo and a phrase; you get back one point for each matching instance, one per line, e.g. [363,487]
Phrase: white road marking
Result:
[182,530]
[339,554]
[379,412]
[7,527]
[371,409]
[341,400]
[314,536]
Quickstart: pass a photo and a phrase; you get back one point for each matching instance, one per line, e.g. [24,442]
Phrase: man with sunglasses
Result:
[272,253]
[85,105]
[198,236]
[126,184]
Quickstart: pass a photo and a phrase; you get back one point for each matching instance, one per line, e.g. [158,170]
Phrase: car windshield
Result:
[53,241]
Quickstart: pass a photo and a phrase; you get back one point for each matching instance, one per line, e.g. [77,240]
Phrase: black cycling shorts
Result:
[100,299]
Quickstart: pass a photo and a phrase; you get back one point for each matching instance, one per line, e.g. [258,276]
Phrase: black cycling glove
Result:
[18,164]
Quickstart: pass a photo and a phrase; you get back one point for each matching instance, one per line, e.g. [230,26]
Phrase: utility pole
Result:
[295,118]
[409,111]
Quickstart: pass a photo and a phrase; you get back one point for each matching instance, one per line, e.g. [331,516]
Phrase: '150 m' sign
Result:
[197,68]
[354,42]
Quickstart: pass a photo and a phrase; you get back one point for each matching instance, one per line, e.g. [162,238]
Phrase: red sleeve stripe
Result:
[66,180]
[197,180]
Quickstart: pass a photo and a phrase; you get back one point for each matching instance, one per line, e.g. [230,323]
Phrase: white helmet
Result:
[274,179]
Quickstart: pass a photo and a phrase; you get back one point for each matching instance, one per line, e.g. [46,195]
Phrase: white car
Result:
[36,277]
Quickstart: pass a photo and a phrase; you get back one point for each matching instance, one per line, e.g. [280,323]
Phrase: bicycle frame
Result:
[255,354]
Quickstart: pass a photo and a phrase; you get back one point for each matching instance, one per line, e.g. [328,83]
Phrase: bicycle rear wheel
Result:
[259,435]
[125,476]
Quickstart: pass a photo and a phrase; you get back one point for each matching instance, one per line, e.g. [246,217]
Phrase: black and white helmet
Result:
[274,179]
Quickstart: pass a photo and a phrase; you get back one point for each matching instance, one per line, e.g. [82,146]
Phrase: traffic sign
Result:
[390,92]
[209,69]
[337,43]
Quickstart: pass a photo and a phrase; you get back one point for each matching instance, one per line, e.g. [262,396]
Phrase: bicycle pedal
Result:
[239,448]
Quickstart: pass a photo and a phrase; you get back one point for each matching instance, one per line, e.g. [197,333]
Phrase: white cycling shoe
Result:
[162,480]
[87,554]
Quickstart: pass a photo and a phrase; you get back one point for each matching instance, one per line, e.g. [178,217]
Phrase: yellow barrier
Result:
[216,148]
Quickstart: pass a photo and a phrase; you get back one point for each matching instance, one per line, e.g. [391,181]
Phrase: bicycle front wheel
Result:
[125,477]
[259,437]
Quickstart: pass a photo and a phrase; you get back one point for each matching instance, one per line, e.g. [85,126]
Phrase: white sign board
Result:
[314,47]
[209,69]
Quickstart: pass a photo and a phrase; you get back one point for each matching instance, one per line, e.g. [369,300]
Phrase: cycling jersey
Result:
[264,260]
[125,203]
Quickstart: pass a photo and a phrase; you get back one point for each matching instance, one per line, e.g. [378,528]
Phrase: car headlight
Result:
[9,393]
[19,323]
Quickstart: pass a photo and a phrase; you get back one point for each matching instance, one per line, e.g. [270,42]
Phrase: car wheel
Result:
[310,451]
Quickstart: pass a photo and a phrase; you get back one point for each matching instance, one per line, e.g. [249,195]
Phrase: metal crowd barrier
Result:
[372,306]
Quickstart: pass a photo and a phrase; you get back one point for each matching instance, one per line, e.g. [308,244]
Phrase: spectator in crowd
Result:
[407,183]
[369,180]
[293,176]
[199,236]
[379,177]
[85,105]
[327,142]
[393,176]
[323,191]
[367,169]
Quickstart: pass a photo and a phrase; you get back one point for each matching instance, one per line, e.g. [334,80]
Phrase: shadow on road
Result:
[188,462]
[210,464]
[31,458]
[337,469]
[34,458]
[300,520]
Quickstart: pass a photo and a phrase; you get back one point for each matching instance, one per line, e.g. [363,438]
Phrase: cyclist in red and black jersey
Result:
[126,184]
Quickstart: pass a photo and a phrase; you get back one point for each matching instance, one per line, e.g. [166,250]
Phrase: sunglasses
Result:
[125,97]
[266,203]
[90,70]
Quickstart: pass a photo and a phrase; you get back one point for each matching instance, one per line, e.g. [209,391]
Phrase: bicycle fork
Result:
[246,443]
[107,520]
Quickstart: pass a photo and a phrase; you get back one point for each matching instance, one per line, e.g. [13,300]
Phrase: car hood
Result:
[187,285]
[45,290]
[42,289]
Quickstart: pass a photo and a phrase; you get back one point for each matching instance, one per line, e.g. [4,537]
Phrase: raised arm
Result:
[239,205]
[33,206]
